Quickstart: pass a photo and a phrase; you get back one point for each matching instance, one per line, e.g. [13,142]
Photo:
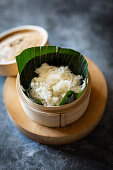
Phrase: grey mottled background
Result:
[84,25]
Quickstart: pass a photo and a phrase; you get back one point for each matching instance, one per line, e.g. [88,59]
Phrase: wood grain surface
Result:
[64,135]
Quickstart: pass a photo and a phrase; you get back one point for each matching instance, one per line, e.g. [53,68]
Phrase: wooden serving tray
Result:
[64,135]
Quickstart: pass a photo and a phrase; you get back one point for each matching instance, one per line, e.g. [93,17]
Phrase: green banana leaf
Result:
[34,57]
[68,98]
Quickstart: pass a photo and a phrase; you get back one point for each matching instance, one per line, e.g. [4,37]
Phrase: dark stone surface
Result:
[86,26]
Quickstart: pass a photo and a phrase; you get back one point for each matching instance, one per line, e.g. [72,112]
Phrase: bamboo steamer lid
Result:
[14,41]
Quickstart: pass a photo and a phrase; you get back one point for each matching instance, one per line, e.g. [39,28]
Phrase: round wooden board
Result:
[70,133]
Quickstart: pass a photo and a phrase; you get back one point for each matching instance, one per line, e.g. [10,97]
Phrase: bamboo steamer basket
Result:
[10,68]
[55,116]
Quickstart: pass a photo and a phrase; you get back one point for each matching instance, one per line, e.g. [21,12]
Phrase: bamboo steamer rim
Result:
[59,109]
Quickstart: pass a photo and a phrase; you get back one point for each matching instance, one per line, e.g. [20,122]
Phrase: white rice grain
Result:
[52,84]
